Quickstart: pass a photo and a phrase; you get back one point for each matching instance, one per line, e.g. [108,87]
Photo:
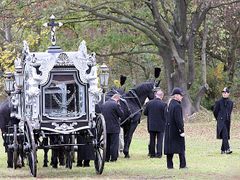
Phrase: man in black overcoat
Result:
[154,111]
[174,141]
[222,112]
[112,113]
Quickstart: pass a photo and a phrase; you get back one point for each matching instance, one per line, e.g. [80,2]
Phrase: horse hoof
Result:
[126,156]
[79,165]
[54,166]
[62,164]
[9,166]
[19,166]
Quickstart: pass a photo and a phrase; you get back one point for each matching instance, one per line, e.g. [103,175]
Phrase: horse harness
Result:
[135,96]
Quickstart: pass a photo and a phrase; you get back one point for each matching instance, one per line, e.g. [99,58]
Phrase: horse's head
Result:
[145,90]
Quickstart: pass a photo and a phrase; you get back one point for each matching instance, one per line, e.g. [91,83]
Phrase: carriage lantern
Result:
[8,83]
[19,76]
[104,75]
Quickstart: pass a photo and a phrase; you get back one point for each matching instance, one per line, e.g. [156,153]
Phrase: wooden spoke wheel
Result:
[101,144]
[15,147]
[30,148]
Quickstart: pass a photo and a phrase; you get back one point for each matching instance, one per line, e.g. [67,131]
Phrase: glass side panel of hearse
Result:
[64,97]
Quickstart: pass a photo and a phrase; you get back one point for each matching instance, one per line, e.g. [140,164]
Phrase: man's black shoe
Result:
[158,156]
[228,151]
[223,152]
[152,156]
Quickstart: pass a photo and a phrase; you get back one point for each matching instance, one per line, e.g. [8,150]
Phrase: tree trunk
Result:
[231,59]
[168,69]
[8,35]
[204,86]
[181,82]
[175,77]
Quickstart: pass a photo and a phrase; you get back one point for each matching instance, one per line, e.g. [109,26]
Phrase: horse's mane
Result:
[143,87]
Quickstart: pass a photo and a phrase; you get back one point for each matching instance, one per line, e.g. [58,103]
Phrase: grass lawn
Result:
[203,157]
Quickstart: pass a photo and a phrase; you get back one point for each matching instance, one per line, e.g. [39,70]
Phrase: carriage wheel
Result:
[100,147]
[30,148]
[15,147]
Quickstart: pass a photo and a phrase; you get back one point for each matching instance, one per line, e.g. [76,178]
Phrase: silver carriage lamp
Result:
[8,83]
[104,75]
[19,76]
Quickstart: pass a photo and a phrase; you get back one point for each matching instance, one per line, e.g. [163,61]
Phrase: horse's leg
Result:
[86,163]
[45,159]
[79,161]
[45,149]
[7,141]
[67,150]
[54,157]
[61,156]
[10,159]
[121,141]
[128,137]
[126,128]
[5,144]
[73,153]
[21,152]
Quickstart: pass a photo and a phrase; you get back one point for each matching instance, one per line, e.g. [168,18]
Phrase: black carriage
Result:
[54,96]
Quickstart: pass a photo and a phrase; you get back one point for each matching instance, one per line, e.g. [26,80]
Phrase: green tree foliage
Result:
[135,40]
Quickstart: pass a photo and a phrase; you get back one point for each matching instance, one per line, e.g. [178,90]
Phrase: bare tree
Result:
[172,26]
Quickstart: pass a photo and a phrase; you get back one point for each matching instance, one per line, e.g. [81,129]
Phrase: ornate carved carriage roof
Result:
[46,61]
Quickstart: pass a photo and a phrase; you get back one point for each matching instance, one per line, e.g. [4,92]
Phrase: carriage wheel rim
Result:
[100,150]
[15,143]
[31,156]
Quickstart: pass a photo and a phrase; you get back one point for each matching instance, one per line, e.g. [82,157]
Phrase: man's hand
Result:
[182,134]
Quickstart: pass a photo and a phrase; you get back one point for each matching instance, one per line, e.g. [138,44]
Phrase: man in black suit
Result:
[174,141]
[154,111]
[222,112]
[112,113]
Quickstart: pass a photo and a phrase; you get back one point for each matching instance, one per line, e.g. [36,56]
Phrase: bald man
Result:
[154,111]
[112,113]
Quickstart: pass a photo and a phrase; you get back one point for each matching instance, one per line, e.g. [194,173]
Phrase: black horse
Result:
[132,103]
[6,125]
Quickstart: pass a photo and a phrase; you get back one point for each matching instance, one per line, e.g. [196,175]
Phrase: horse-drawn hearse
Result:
[53,95]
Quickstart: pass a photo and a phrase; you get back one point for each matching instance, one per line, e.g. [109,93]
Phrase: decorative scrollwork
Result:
[64,126]
[63,59]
